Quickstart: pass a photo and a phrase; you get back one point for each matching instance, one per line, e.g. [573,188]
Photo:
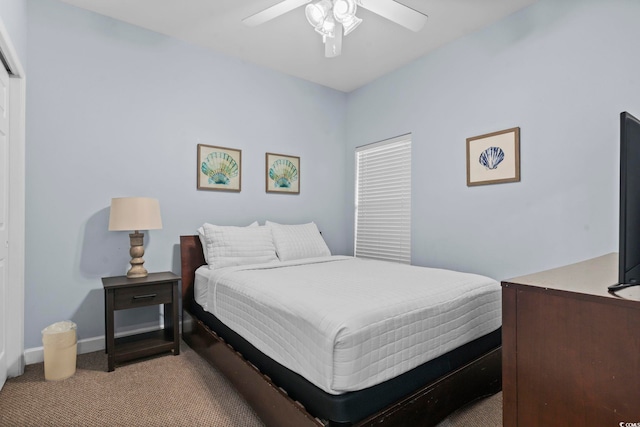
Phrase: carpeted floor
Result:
[163,391]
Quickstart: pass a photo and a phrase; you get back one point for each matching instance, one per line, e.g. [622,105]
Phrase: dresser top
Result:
[590,277]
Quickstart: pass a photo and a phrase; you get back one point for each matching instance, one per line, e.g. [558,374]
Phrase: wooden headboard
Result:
[191,257]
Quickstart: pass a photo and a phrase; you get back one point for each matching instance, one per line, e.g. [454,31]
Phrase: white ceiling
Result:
[290,45]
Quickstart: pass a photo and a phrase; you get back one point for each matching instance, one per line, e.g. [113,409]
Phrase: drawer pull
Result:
[144,296]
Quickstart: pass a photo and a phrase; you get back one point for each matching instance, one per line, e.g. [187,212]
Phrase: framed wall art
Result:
[282,174]
[219,168]
[494,157]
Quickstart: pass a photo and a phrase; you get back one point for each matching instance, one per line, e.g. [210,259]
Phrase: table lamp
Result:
[135,213]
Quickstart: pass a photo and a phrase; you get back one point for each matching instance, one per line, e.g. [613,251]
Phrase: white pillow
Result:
[298,241]
[230,246]
[204,244]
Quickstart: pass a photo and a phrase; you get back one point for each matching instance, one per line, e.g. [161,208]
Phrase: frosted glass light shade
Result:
[344,12]
[344,9]
[134,213]
[316,13]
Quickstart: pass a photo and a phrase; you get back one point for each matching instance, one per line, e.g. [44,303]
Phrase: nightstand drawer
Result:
[140,296]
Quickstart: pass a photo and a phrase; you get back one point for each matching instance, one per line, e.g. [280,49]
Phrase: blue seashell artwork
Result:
[283,173]
[219,167]
[491,157]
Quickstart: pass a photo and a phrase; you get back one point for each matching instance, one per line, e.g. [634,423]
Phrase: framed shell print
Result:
[219,168]
[282,173]
[494,157]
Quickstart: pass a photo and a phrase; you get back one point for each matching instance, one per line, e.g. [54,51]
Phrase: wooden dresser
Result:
[571,350]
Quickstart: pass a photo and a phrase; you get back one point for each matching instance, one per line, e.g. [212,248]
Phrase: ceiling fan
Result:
[334,18]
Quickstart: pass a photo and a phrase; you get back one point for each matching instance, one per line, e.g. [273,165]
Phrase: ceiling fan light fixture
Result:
[317,13]
[334,19]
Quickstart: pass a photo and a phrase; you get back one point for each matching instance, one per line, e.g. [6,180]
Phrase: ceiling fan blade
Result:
[273,12]
[396,12]
[333,45]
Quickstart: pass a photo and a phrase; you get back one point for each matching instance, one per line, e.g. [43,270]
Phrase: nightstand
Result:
[121,293]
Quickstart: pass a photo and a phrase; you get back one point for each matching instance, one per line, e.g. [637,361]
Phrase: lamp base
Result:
[136,272]
[137,251]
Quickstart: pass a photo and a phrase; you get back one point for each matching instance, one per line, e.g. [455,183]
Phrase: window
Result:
[383,200]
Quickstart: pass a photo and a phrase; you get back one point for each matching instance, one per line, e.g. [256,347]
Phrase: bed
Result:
[330,389]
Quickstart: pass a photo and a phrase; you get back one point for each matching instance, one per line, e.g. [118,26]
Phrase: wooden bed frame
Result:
[426,406]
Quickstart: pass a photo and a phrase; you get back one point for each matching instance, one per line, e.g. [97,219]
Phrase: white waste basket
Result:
[60,350]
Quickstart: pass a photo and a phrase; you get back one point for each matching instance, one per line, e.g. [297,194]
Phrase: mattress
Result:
[345,324]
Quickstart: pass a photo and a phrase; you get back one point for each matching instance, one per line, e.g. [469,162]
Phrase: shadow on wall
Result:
[87,312]
[106,253]
[176,267]
[126,321]
[539,18]
[175,263]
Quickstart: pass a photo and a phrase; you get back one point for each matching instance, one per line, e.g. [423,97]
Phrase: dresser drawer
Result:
[140,296]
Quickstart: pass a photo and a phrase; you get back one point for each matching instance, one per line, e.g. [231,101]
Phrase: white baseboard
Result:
[87,345]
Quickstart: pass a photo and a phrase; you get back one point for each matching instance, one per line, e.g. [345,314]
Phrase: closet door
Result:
[4,226]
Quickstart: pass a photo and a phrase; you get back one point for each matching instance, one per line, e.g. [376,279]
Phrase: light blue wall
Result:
[114,110]
[14,17]
[560,70]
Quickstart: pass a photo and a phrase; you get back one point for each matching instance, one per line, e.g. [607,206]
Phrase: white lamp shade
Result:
[134,213]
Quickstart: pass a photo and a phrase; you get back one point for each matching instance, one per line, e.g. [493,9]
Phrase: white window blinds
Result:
[383,200]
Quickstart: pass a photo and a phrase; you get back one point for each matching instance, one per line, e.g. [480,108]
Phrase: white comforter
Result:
[345,323]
